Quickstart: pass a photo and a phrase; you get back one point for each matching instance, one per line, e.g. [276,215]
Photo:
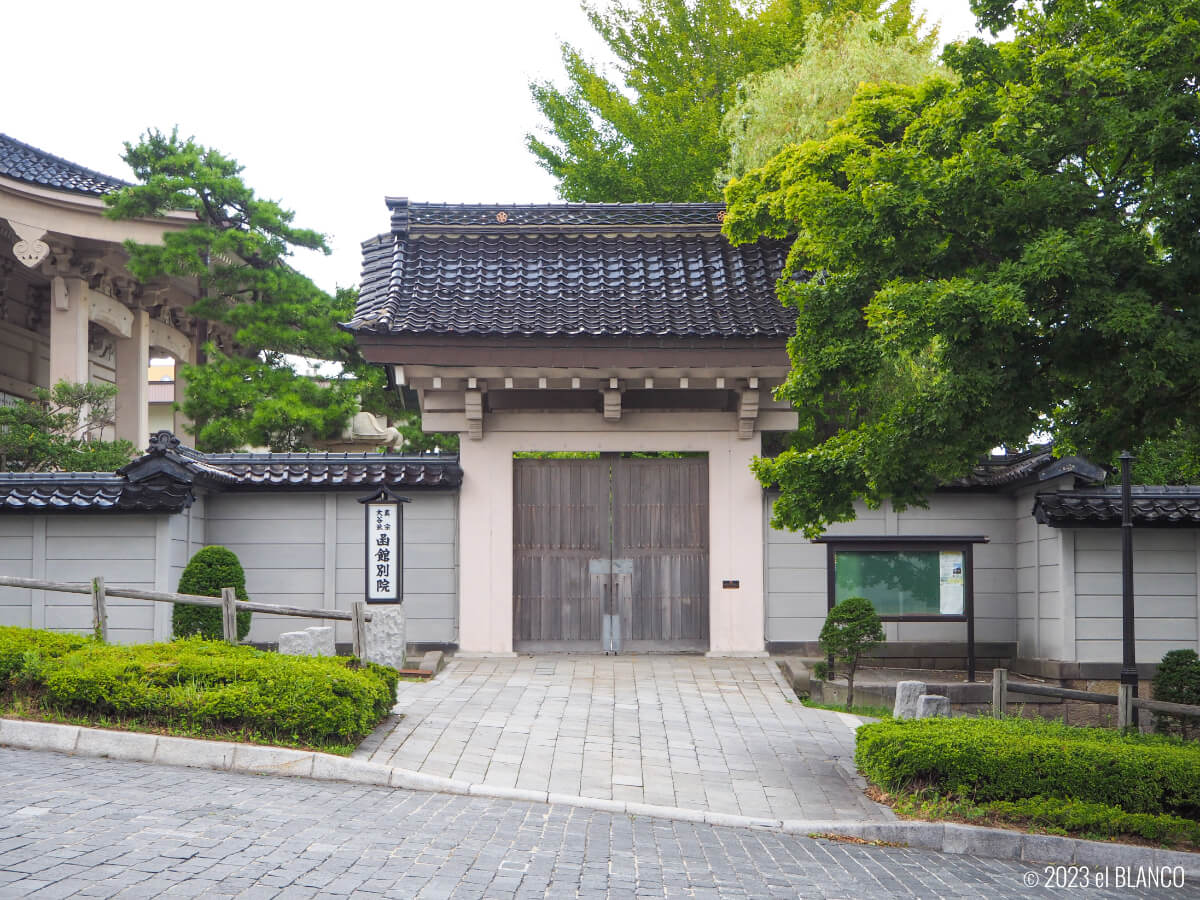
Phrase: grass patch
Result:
[194,688]
[878,712]
[1068,818]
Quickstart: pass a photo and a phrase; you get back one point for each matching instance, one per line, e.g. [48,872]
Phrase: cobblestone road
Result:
[99,828]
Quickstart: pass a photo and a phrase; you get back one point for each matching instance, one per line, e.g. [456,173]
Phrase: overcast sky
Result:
[329,106]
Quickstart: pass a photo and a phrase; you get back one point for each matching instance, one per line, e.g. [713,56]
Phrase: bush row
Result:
[1016,759]
[204,685]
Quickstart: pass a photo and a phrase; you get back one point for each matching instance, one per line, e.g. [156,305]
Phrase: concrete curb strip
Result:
[944,837]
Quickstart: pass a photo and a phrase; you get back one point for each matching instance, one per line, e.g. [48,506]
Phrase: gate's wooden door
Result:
[561,524]
[660,522]
[635,527]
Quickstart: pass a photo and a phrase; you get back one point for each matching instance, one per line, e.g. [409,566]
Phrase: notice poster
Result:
[951,583]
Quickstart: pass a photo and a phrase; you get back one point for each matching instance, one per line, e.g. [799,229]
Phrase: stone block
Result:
[420,781]
[271,760]
[327,767]
[971,839]
[38,735]
[433,661]
[125,745]
[297,643]
[500,792]
[173,751]
[322,640]
[386,635]
[907,695]
[932,706]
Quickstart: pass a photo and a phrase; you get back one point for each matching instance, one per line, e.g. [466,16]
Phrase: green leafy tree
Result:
[207,572]
[796,102]
[248,393]
[1009,254]
[1172,459]
[851,629]
[657,135]
[53,432]
[1177,680]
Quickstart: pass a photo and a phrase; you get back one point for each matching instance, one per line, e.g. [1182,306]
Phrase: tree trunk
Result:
[850,685]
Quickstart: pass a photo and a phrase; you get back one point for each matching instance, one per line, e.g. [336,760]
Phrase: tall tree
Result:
[1015,253]
[657,135]
[796,102]
[248,393]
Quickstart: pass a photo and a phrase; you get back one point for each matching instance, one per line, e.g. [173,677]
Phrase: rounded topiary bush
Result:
[1178,681]
[211,569]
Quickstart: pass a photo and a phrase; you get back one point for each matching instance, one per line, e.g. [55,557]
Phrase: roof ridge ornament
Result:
[162,442]
[400,214]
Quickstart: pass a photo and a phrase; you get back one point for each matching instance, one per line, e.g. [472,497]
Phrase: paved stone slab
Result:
[719,735]
[104,828]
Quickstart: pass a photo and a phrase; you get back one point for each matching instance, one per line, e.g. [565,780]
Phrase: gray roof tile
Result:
[1151,506]
[659,270]
[25,163]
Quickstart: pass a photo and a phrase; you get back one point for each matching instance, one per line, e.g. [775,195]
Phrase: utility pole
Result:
[1128,648]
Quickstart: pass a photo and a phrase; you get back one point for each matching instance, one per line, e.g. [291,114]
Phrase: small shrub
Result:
[1016,759]
[821,670]
[211,569]
[1177,681]
[851,628]
[22,648]
[204,685]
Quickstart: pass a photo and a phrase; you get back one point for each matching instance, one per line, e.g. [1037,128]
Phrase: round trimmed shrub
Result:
[211,569]
[1178,681]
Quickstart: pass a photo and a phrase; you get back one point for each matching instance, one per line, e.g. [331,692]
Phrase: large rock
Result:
[322,640]
[908,693]
[297,643]
[385,635]
[931,706]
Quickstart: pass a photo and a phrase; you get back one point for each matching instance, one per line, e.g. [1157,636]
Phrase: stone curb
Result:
[253,759]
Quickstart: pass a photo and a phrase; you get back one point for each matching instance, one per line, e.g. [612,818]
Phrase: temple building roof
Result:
[26,163]
[584,269]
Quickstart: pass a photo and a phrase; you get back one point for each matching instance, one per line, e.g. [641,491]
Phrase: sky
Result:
[329,107]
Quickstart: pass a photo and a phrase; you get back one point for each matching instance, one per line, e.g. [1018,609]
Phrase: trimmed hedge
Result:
[203,686]
[23,648]
[1016,759]
[209,570]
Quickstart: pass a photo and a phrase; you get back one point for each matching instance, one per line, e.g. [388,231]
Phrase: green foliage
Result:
[1172,459]
[27,648]
[1016,759]
[657,136]
[263,312]
[207,572]
[51,432]
[203,686]
[851,628]
[796,102]
[1053,815]
[1010,254]
[1097,819]
[1177,680]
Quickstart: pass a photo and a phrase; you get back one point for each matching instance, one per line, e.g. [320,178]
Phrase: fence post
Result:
[99,613]
[359,627]
[229,615]
[999,692]
[1124,705]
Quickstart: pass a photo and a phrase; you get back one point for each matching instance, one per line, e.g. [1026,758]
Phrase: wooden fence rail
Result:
[227,603]
[1123,700]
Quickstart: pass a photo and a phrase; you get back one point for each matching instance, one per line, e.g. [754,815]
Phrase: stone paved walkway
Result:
[100,828]
[725,735]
